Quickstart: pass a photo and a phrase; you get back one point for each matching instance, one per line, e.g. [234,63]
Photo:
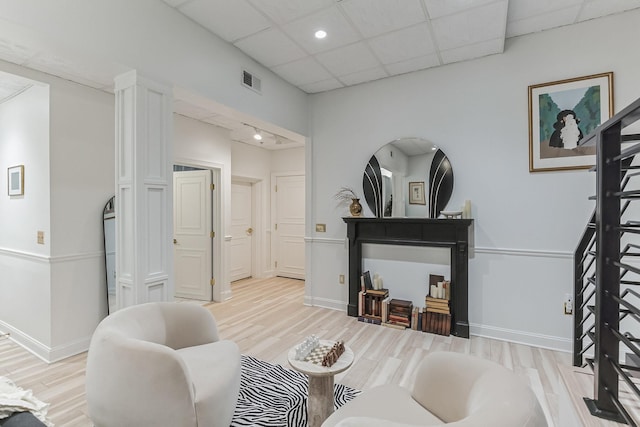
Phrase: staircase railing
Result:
[605,276]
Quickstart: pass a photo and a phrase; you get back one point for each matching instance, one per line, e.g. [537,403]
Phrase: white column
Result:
[144,214]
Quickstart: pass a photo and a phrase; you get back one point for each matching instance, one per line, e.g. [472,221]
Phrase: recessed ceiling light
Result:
[320,34]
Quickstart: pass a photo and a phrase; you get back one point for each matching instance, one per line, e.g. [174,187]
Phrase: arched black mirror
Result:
[109,229]
[408,177]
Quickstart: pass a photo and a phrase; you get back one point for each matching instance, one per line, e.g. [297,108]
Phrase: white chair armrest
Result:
[121,374]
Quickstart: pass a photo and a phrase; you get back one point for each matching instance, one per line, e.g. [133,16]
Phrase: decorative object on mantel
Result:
[451,214]
[384,182]
[346,195]
[441,183]
[466,209]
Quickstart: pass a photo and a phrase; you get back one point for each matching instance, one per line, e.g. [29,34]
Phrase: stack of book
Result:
[400,312]
[370,306]
[437,316]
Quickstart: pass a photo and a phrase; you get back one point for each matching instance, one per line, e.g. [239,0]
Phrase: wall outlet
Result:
[41,237]
[321,228]
[342,279]
[568,304]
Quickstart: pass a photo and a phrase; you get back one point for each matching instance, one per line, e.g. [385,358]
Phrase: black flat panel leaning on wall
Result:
[440,183]
[372,186]
[451,233]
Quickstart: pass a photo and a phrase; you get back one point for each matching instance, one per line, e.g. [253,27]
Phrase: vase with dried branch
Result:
[345,196]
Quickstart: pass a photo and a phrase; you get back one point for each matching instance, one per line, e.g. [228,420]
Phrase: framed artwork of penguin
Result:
[561,113]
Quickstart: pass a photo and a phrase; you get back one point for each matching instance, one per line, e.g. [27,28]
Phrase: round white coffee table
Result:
[321,382]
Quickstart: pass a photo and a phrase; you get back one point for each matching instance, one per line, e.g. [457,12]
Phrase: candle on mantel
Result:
[466,209]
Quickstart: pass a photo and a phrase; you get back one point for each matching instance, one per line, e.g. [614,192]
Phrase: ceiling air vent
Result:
[251,81]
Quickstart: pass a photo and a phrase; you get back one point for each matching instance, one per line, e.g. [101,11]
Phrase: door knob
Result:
[249,230]
[175,242]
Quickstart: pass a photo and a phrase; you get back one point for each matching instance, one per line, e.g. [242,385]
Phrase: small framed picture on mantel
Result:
[416,193]
[15,180]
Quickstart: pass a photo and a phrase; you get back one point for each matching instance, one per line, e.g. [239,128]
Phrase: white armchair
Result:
[450,389]
[161,364]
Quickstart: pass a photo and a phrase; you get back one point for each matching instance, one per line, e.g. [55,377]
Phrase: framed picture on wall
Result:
[560,114]
[15,179]
[416,193]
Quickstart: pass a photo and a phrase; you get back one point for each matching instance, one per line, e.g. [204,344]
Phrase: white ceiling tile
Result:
[541,22]
[302,72]
[339,31]
[477,50]
[283,11]
[11,85]
[471,26]
[322,86]
[12,52]
[373,18]
[230,20]
[439,8]
[402,45]
[175,3]
[270,47]
[364,76]
[348,59]
[414,64]
[523,9]
[597,8]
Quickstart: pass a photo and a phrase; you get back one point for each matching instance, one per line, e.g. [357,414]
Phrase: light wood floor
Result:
[266,318]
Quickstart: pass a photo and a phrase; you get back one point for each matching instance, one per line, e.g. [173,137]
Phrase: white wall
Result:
[526,225]
[289,160]
[24,264]
[52,296]
[149,36]
[82,180]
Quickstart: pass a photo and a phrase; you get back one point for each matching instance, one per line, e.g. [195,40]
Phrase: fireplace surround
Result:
[450,233]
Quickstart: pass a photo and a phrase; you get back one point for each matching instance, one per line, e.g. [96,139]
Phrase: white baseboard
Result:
[325,303]
[502,334]
[42,351]
[70,349]
[226,295]
[520,337]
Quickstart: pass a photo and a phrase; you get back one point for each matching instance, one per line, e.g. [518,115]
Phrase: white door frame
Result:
[219,268]
[258,268]
[274,248]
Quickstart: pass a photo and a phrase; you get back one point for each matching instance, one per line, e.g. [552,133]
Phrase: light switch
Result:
[321,228]
[41,237]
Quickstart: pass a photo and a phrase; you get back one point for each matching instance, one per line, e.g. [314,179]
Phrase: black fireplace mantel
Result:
[450,233]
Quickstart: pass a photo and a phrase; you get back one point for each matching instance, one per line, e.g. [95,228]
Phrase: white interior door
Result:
[289,229]
[241,230]
[192,234]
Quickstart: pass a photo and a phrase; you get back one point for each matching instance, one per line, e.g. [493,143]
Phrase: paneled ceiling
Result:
[366,40]
[373,39]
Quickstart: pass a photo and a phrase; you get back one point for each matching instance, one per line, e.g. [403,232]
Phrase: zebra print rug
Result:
[272,396]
